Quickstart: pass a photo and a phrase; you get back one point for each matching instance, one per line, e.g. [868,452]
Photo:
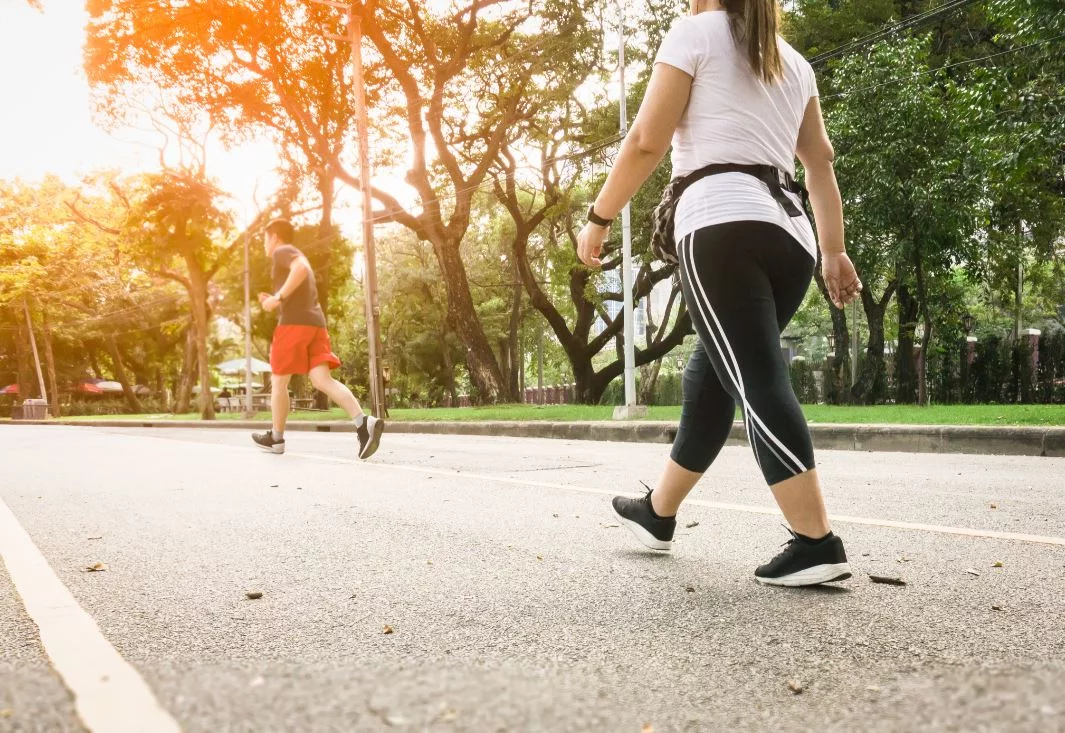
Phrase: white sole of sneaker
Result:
[275,449]
[811,576]
[644,536]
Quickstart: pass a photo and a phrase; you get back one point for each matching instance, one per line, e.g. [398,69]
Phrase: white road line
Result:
[109,695]
[748,508]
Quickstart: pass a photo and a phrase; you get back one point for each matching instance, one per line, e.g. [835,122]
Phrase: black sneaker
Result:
[266,442]
[370,435]
[806,563]
[637,515]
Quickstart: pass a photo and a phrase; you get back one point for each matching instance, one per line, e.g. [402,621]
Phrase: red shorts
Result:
[298,349]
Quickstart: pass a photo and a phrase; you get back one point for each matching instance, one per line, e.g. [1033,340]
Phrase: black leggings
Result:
[742,282]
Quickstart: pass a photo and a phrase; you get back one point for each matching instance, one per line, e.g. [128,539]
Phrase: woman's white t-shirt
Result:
[734,117]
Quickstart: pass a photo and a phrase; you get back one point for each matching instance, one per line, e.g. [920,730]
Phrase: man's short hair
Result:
[282,229]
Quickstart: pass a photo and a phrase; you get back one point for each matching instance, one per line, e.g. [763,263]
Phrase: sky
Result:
[48,126]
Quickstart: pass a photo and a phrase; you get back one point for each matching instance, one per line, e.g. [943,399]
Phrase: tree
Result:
[269,63]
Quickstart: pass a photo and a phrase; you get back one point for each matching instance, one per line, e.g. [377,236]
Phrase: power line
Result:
[926,72]
[905,24]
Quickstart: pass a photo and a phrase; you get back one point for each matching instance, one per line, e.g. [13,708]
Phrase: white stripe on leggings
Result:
[797,466]
[748,426]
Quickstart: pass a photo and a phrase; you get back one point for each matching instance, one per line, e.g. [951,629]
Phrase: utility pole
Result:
[247,328]
[539,364]
[856,330]
[626,237]
[373,311]
[630,409]
[33,345]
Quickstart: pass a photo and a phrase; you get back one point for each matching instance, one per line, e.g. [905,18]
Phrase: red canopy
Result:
[10,389]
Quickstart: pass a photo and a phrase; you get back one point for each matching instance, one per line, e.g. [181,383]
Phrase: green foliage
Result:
[804,382]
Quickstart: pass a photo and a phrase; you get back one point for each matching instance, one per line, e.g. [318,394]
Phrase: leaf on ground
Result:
[973,571]
[254,595]
[6,713]
[994,506]
[996,608]
[449,715]
[608,526]
[996,564]
[795,686]
[690,589]
[97,537]
[98,567]
[555,516]
[539,557]
[273,486]
[428,562]
[887,580]
[689,525]
[387,630]
[903,558]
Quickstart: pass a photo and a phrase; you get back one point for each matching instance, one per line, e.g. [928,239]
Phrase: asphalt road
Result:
[514,601]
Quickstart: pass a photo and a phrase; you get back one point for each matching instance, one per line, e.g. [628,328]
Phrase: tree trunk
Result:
[188,372]
[120,375]
[49,359]
[923,398]
[648,381]
[322,274]
[871,387]
[94,362]
[23,357]
[1018,291]
[905,376]
[198,294]
[514,359]
[485,375]
[836,380]
[450,383]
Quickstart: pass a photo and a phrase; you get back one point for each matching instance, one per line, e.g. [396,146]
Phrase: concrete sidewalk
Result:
[985,440]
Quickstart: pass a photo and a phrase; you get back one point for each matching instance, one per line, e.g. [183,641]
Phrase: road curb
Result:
[1018,441]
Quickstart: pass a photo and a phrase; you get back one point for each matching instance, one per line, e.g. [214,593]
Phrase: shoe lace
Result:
[788,544]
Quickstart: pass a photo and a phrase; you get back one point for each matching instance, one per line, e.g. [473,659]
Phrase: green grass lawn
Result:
[898,414]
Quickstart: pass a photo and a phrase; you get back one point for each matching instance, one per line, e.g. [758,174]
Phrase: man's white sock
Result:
[278,435]
[360,419]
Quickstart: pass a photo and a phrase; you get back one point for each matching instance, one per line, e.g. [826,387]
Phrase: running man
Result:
[738,104]
[301,343]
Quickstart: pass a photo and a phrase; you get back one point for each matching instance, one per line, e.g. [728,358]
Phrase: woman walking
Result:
[738,104]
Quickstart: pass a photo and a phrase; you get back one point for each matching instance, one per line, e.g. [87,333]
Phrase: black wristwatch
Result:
[596,219]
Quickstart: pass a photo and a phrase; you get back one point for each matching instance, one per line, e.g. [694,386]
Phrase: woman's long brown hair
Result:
[754,25]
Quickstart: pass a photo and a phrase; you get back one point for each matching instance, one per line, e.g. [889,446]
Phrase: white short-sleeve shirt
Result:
[734,117]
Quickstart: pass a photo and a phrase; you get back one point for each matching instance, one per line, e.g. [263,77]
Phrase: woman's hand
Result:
[841,279]
[590,244]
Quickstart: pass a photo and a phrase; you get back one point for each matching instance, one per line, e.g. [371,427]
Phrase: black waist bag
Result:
[662,218]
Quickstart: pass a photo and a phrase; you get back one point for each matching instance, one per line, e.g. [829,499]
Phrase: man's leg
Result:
[279,403]
[323,381]
[367,428]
